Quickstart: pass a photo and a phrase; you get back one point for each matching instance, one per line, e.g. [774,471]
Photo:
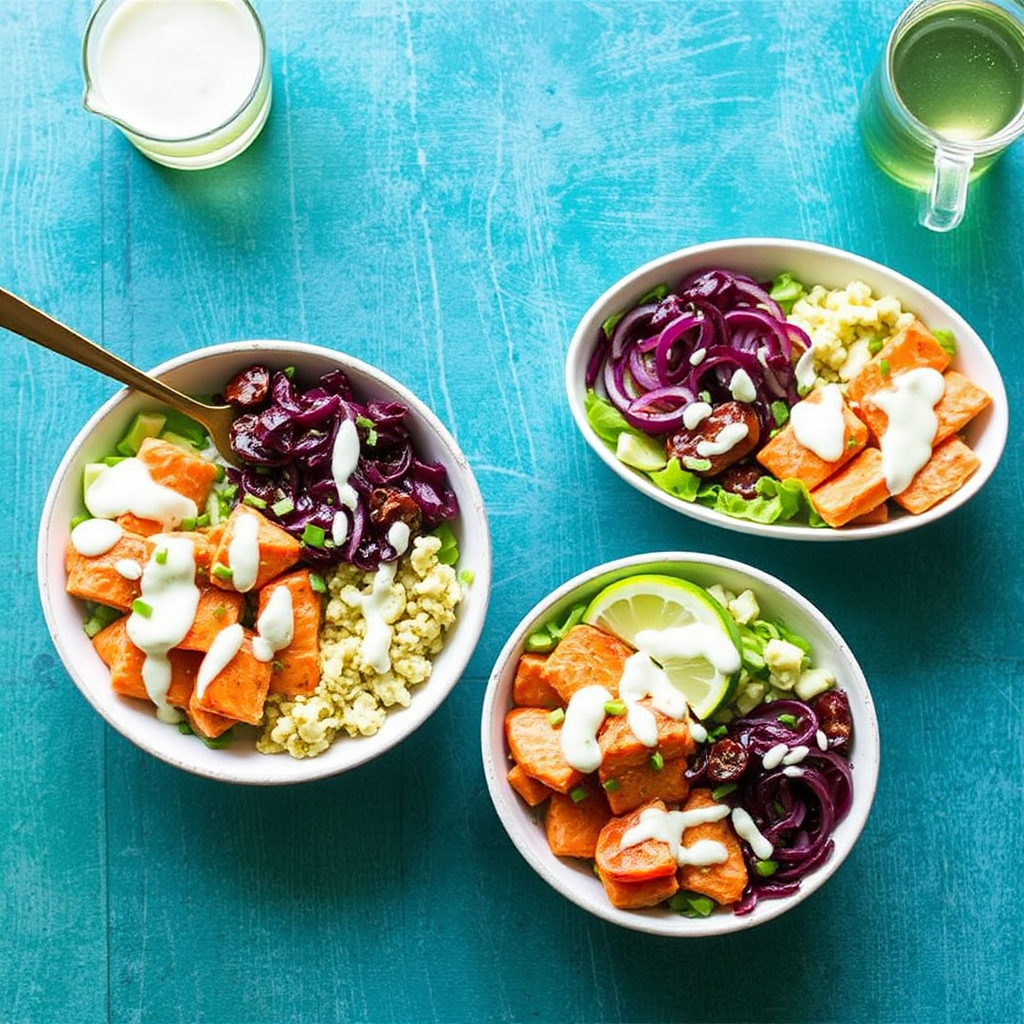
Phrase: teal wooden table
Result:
[442,189]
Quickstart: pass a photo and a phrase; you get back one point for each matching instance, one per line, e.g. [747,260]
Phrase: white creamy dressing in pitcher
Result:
[177,69]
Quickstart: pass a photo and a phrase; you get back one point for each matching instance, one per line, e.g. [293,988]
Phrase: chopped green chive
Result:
[189,523]
[875,346]
[466,577]
[579,794]
[724,790]
[718,733]
[851,443]
[614,707]
[946,339]
[317,584]
[657,761]
[289,372]
[221,571]
[253,501]
[609,324]
[556,716]
[696,465]
[203,520]
[789,720]
[539,642]
[780,413]
[368,426]
[883,367]
[277,665]
[692,904]
[766,868]
[82,517]
[313,535]
[610,785]
[283,507]
[219,612]
[139,607]
[160,556]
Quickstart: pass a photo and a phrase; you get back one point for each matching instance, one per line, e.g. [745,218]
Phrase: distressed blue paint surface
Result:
[442,189]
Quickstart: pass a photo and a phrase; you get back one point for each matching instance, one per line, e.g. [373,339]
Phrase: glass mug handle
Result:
[943,208]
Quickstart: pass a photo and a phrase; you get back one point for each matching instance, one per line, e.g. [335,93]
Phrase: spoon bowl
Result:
[19,317]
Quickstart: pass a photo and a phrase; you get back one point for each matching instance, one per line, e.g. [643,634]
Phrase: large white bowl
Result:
[575,880]
[763,259]
[203,372]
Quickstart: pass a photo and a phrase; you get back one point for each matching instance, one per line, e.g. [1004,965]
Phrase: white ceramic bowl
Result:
[203,372]
[763,259]
[575,880]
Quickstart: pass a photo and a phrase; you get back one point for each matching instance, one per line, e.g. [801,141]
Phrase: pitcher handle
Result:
[943,208]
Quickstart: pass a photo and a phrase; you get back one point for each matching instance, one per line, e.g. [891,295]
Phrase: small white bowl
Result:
[763,259]
[574,879]
[203,372]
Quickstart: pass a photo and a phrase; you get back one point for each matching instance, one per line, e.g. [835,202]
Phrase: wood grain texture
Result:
[442,189]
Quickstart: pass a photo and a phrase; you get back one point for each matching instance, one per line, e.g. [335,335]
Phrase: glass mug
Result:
[186,81]
[946,98]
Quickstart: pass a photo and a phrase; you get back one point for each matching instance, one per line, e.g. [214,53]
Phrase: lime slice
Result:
[650,607]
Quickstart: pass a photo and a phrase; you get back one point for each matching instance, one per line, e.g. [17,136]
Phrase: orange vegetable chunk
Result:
[951,465]
[296,668]
[532,791]
[723,882]
[96,578]
[572,827]
[278,549]
[215,610]
[239,690]
[855,490]
[586,656]
[177,468]
[529,687]
[629,788]
[620,747]
[535,745]
[639,862]
[637,895]
[913,347]
[786,458]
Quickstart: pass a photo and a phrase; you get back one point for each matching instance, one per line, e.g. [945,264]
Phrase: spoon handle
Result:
[18,316]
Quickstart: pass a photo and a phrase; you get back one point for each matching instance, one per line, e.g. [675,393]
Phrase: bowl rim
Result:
[643,277]
[471,618]
[514,816]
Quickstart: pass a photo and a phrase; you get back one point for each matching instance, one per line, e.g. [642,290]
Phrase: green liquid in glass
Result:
[961,72]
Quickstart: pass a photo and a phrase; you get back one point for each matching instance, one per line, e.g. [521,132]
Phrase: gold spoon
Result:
[17,316]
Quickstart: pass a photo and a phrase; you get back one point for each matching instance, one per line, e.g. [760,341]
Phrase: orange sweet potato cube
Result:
[620,747]
[629,788]
[855,490]
[915,346]
[278,549]
[177,468]
[535,745]
[572,826]
[637,895]
[586,656]
[723,882]
[529,788]
[637,862]
[786,458]
[239,689]
[949,468]
[98,578]
[530,689]
[296,668]
[215,610]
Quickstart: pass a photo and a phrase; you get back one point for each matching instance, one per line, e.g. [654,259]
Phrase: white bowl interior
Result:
[204,372]
[575,880]
[762,259]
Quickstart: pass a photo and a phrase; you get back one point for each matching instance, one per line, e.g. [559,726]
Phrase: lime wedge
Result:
[652,612]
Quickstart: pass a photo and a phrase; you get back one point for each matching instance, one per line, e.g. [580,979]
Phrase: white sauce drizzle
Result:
[695,414]
[95,537]
[746,829]
[128,568]
[724,441]
[819,425]
[275,628]
[669,826]
[694,640]
[805,372]
[741,387]
[170,593]
[376,645]
[642,677]
[907,442]
[344,459]
[226,644]
[244,553]
[127,486]
[584,715]
[697,732]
